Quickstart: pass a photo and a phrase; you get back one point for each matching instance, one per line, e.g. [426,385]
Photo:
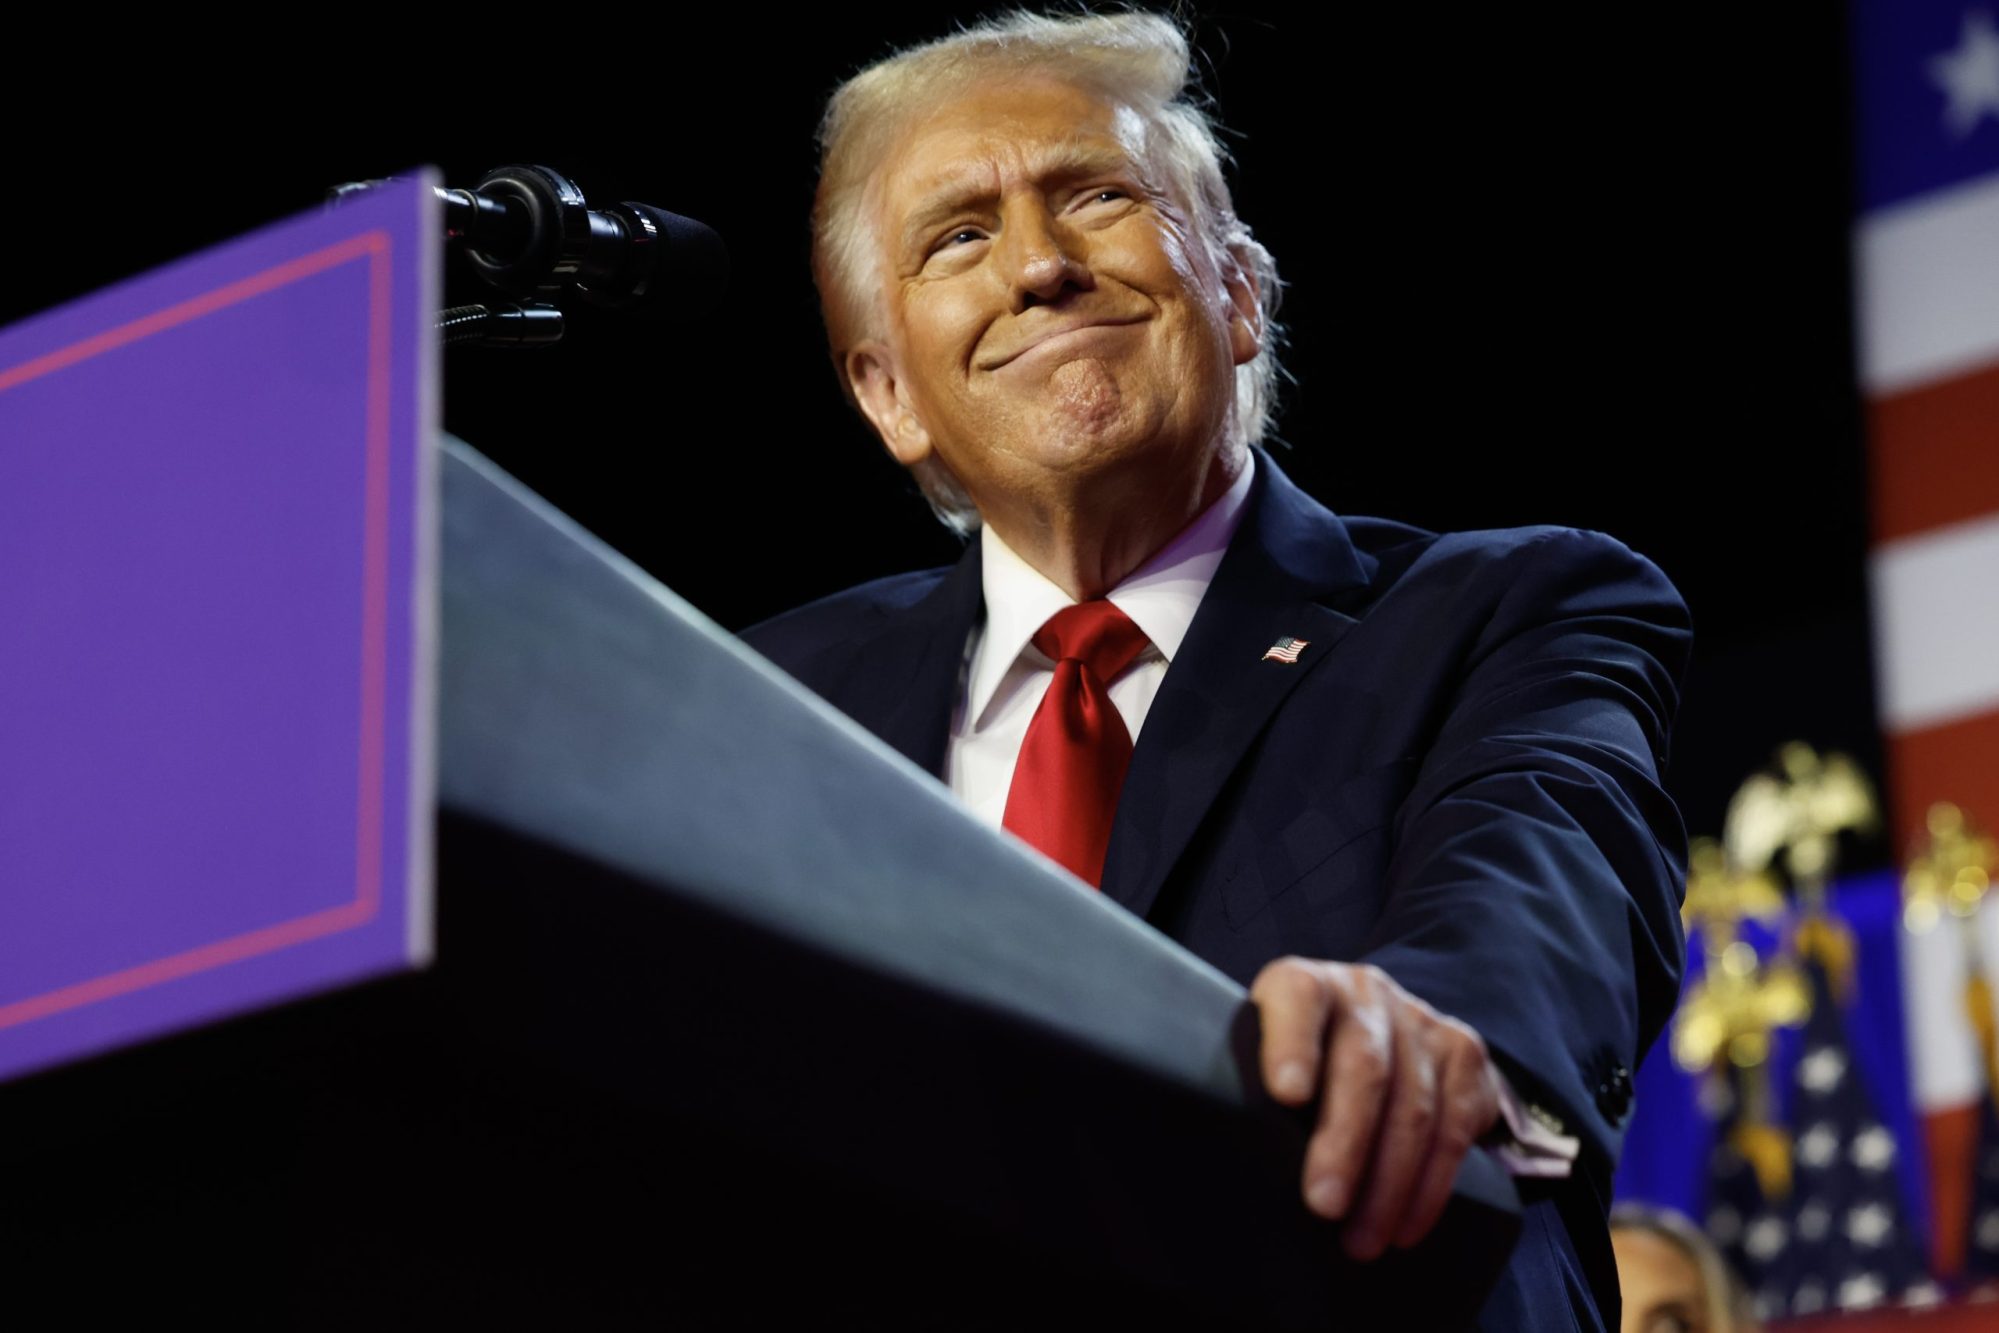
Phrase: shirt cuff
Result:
[1530,1141]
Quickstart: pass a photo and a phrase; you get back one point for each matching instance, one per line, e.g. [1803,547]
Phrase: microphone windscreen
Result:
[693,267]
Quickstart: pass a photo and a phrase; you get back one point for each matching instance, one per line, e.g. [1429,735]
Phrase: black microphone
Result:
[528,231]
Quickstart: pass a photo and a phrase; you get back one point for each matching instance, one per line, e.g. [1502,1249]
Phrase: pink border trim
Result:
[374,247]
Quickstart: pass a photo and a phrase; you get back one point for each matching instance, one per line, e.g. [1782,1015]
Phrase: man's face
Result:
[1052,319]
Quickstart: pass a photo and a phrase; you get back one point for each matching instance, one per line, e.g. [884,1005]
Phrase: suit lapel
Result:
[909,690]
[1289,556]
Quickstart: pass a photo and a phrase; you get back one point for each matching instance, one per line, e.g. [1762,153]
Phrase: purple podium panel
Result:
[217,629]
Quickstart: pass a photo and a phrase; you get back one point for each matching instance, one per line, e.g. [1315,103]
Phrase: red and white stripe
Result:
[1929,362]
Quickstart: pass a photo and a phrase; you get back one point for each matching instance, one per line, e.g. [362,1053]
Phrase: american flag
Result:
[1284,650]
[1926,90]
[1926,85]
[1839,1238]
[1982,1261]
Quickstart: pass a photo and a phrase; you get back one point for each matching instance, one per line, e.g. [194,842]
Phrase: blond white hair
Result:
[1729,1307]
[1140,60]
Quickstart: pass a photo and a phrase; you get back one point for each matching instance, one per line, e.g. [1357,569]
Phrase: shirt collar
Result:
[1160,596]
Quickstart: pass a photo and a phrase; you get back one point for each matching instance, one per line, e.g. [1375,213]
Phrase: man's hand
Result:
[1403,1093]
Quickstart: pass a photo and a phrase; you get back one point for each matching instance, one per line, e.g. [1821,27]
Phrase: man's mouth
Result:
[1056,335]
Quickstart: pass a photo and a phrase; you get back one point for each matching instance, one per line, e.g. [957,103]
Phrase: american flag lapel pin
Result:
[1285,650]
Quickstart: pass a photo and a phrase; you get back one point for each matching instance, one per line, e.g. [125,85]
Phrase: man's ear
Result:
[1246,307]
[880,392]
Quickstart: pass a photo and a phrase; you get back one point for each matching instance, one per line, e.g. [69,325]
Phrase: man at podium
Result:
[1405,785]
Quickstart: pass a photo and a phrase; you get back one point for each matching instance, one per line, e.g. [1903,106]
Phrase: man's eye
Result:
[1107,195]
[964,236]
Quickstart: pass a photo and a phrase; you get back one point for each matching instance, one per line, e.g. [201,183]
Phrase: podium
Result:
[735,1019]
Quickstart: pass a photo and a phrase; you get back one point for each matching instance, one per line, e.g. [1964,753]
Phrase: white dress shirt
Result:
[1005,675]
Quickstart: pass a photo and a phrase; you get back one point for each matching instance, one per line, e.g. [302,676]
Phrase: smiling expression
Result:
[1051,318]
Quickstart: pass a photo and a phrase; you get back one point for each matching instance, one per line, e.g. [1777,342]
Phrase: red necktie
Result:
[1072,764]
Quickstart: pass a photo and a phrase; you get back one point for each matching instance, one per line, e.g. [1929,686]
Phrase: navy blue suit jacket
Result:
[1459,781]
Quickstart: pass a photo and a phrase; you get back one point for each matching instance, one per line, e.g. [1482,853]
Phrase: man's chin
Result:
[1084,400]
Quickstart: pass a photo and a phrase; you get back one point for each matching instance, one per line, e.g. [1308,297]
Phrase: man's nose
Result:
[1040,258]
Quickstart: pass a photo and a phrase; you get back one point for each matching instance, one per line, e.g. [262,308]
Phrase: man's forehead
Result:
[1034,127]
[982,166]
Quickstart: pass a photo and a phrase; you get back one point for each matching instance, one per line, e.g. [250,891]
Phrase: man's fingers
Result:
[1359,1070]
[1404,1093]
[1292,997]
[1465,1107]
[1408,1120]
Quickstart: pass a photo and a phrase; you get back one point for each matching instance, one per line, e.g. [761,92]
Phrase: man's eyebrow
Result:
[955,192]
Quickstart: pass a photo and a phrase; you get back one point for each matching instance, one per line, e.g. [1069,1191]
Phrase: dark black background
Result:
[1584,270]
